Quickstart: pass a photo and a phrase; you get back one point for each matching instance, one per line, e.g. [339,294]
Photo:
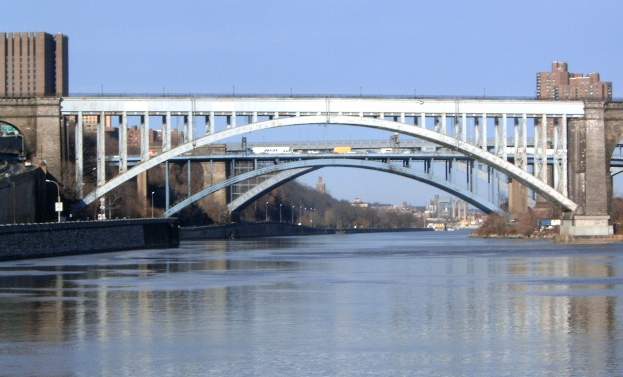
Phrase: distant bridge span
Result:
[306,165]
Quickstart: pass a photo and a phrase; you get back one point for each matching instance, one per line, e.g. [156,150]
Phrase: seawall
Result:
[248,230]
[84,237]
[252,230]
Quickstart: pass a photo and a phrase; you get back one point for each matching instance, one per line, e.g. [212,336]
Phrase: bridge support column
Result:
[518,193]
[141,179]
[123,143]
[211,123]
[166,131]
[188,127]
[588,176]
[463,133]
[517,198]
[141,193]
[79,166]
[101,150]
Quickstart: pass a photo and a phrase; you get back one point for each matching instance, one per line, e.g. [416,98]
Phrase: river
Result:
[386,304]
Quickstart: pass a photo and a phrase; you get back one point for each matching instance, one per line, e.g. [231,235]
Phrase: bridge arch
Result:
[461,193]
[447,141]
[266,186]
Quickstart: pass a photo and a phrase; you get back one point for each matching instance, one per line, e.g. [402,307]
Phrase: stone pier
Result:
[588,174]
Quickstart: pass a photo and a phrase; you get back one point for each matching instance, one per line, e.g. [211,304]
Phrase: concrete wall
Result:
[51,239]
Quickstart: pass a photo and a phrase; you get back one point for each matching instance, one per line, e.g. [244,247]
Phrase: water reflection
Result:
[390,304]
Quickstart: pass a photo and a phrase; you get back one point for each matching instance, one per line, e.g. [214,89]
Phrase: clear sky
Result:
[322,46]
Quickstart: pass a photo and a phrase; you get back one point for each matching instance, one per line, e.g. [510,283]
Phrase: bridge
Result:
[437,166]
[551,148]
[457,174]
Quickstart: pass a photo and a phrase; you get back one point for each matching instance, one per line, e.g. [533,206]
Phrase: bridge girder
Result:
[461,193]
[438,138]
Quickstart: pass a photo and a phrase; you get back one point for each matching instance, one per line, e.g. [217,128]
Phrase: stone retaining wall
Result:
[83,237]
[248,230]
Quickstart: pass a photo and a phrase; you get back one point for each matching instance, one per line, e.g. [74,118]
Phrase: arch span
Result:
[464,147]
[469,197]
[266,186]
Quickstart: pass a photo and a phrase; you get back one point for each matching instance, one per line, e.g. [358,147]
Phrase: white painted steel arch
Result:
[468,149]
[265,186]
[464,194]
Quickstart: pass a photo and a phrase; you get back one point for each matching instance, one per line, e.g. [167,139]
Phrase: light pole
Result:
[266,211]
[280,205]
[292,214]
[58,206]
[152,204]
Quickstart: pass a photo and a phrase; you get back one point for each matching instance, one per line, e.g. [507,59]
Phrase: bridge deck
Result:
[316,105]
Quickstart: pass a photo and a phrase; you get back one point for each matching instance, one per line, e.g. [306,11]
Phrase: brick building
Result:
[33,65]
[559,84]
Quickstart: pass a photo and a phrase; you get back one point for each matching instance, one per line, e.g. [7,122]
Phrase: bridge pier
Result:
[517,198]
[588,175]
[142,194]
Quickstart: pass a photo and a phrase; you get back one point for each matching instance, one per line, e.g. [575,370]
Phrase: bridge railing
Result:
[297,95]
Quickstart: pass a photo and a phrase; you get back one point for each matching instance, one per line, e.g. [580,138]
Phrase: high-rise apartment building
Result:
[559,84]
[321,186]
[33,65]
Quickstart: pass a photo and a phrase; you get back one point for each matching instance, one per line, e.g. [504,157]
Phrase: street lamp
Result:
[292,214]
[58,206]
[152,204]
[266,211]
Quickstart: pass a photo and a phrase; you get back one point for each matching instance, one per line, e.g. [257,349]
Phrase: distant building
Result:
[559,84]
[359,203]
[321,186]
[439,207]
[447,208]
[33,65]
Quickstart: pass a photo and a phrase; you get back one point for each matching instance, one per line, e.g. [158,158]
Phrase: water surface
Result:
[393,304]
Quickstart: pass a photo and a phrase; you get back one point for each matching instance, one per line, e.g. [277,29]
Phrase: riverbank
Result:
[555,237]
[382,230]
[22,241]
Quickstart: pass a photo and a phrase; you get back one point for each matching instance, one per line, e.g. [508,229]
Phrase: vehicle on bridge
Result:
[343,150]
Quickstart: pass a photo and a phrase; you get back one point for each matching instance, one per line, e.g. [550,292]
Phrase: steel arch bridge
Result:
[367,113]
[304,166]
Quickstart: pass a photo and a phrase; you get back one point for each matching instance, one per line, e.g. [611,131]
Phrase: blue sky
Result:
[320,46]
